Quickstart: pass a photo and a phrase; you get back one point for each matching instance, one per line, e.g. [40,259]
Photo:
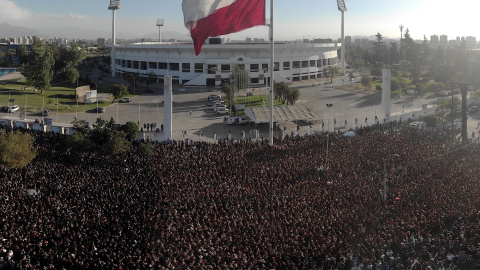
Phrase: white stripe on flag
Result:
[194,10]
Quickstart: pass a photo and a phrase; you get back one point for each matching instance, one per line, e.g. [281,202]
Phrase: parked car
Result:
[124,100]
[4,109]
[46,112]
[14,108]
[222,111]
[148,90]
[472,109]
[181,89]
[218,107]
[214,97]
[99,110]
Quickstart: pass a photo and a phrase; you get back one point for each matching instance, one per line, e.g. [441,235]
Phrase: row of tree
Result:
[43,63]
[417,59]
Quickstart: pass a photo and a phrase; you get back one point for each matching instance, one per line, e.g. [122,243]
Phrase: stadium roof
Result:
[280,113]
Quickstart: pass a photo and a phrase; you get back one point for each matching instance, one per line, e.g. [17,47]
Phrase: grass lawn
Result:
[34,101]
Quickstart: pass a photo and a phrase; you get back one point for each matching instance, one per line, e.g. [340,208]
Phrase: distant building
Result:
[101,42]
[444,40]
[348,41]
[471,42]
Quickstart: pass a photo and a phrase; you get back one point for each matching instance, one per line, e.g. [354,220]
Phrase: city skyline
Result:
[312,19]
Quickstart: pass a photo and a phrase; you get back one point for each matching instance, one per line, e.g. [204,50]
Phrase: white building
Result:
[293,61]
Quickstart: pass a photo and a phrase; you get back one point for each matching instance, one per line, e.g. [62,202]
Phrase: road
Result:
[190,113]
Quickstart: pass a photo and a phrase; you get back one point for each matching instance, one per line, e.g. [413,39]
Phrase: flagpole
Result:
[271,73]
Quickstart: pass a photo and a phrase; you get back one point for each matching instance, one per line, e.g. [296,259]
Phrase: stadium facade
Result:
[293,61]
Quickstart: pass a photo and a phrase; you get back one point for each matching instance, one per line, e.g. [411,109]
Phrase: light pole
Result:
[133,82]
[329,105]
[114,5]
[342,7]
[57,110]
[160,24]
[96,89]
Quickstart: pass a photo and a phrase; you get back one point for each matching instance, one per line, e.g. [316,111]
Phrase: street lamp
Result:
[342,7]
[96,89]
[329,105]
[160,24]
[114,5]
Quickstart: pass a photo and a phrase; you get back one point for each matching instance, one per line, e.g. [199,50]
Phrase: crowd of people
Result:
[247,205]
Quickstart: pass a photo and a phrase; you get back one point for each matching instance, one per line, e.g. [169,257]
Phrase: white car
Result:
[218,107]
[125,100]
[222,111]
[14,108]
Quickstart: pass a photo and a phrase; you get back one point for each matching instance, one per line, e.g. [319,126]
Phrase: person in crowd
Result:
[246,205]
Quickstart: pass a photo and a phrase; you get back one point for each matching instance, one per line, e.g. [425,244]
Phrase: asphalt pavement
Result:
[191,115]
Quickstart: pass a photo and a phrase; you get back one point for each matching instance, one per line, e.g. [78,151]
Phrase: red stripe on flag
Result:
[236,17]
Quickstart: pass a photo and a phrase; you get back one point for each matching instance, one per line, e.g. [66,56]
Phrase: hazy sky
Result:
[293,19]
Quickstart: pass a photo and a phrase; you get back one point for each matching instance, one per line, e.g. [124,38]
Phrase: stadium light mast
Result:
[160,24]
[342,7]
[114,5]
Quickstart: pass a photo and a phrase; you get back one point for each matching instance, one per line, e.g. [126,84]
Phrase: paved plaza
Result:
[191,115]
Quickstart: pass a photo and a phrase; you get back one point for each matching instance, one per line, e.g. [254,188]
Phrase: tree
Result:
[431,121]
[39,69]
[22,54]
[281,90]
[119,90]
[240,78]
[367,81]
[131,130]
[16,149]
[151,78]
[332,71]
[68,59]
[116,144]
[2,58]
[293,95]
[351,76]
[379,49]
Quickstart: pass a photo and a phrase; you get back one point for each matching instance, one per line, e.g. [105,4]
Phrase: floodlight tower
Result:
[114,5]
[160,24]
[342,7]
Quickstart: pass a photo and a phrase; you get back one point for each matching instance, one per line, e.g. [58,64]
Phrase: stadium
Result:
[293,61]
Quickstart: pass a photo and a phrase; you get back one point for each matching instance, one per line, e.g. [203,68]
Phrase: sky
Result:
[292,19]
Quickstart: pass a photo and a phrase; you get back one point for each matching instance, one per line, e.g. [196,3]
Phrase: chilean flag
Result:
[211,18]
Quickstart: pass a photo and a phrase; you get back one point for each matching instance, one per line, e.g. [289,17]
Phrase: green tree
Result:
[16,149]
[145,149]
[240,78]
[293,95]
[281,90]
[115,144]
[151,78]
[39,69]
[68,60]
[431,121]
[22,54]
[332,71]
[367,81]
[2,59]
[131,130]
[119,90]
[359,62]
[78,143]
[379,49]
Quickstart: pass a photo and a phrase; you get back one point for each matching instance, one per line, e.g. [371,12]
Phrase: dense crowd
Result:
[246,205]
